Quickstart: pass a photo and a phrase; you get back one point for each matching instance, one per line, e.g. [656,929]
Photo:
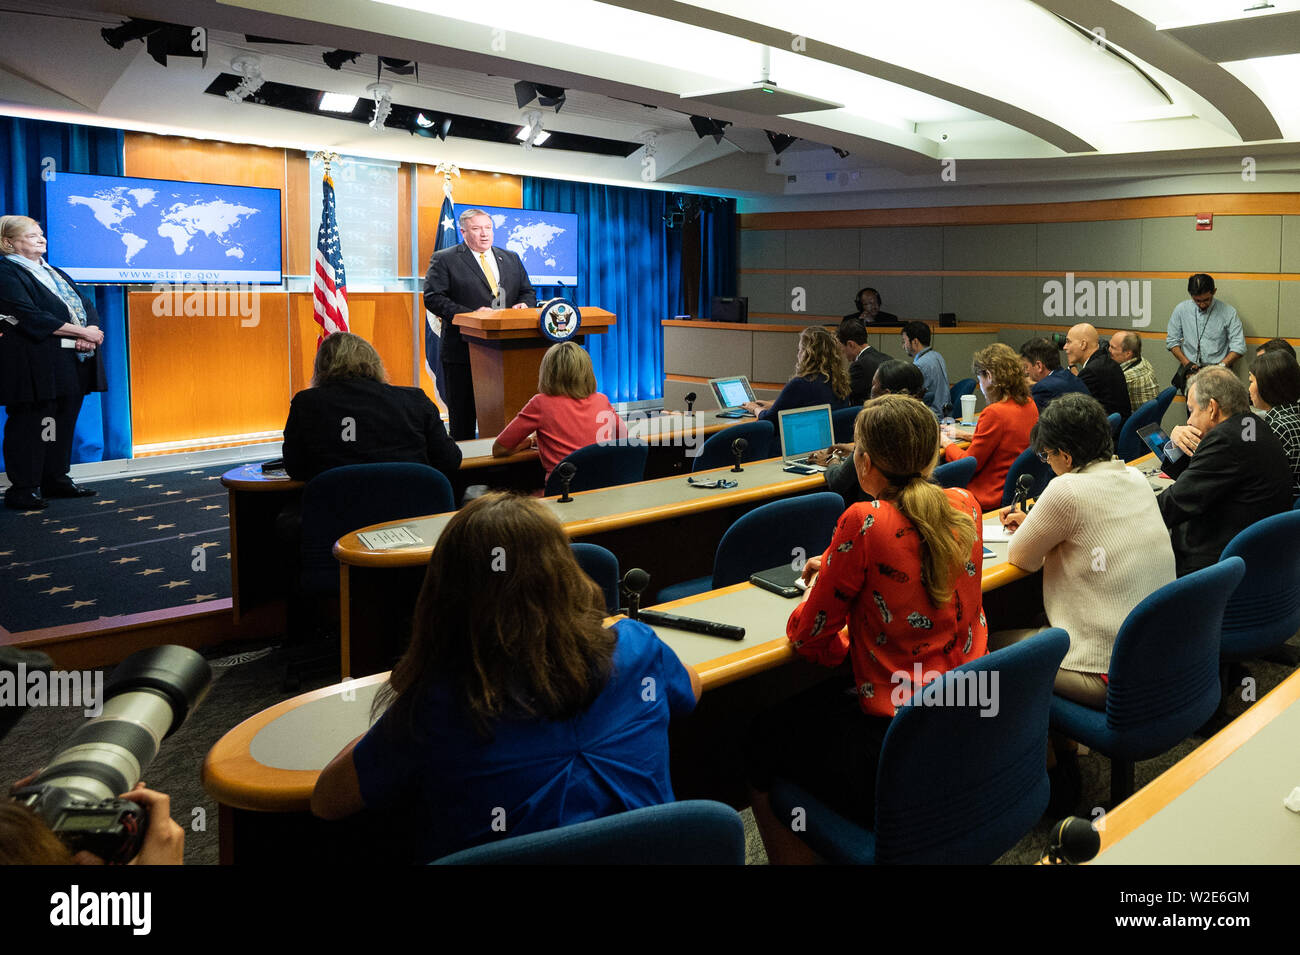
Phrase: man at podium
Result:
[471,276]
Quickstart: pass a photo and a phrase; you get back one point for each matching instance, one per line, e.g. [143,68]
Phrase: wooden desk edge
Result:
[1177,779]
[348,549]
[234,778]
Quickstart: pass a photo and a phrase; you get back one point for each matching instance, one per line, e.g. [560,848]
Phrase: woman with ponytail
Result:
[903,570]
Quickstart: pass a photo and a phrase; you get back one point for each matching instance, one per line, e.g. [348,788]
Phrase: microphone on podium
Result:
[565,470]
[1074,841]
[634,582]
[738,448]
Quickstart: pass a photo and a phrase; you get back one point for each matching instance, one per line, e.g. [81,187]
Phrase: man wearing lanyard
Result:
[1203,331]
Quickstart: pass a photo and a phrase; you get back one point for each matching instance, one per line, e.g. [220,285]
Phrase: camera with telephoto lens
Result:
[145,700]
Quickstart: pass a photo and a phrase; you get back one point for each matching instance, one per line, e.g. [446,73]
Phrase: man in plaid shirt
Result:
[1126,350]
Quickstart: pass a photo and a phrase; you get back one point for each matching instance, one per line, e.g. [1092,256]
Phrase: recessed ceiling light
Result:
[337,103]
[541,137]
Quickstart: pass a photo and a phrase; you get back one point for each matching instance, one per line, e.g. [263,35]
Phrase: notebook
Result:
[803,431]
[730,394]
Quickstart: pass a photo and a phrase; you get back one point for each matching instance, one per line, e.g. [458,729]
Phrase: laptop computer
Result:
[1157,439]
[803,431]
[730,394]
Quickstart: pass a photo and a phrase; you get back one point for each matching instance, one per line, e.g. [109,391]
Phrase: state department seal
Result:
[559,321]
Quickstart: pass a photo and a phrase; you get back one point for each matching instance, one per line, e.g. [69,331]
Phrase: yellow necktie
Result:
[487,271]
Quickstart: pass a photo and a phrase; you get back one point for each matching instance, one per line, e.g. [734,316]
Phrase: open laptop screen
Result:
[805,430]
[731,392]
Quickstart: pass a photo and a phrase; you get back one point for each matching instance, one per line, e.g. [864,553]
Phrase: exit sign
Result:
[1204,221]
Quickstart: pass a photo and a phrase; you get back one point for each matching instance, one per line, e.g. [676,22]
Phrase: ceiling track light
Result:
[335,59]
[546,96]
[705,126]
[249,68]
[424,126]
[160,39]
[780,141]
[382,94]
[531,133]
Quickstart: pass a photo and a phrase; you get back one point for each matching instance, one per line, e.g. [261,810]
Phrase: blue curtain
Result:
[26,146]
[630,263]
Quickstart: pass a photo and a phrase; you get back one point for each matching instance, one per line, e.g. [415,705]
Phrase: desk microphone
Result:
[690,402]
[1074,841]
[738,448]
[634,582]
[1024,484]
[565,470]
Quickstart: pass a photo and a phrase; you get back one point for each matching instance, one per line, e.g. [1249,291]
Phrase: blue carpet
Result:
[131,549]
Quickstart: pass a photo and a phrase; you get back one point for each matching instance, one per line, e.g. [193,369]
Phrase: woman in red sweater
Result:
[1002,431]
[566,414]
[904,571]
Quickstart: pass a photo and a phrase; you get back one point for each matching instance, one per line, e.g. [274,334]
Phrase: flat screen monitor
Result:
[728,309]
[119,230]
[547,242]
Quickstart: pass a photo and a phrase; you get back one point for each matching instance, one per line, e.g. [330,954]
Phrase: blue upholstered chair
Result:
[842,423]
[345,499]
[601,566]
[956,473]
[964,387]
[952,786]
[1164,674]
[716,452]
[694,832]
[1264,611]
[602,465]
[1114,420]
[766,537]
[1027,463]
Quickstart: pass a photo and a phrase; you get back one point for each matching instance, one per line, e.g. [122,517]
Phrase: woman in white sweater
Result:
[1098,536]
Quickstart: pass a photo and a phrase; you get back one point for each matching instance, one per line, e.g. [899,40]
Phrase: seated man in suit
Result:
[1042,361]
[1235,474]
[472,276]
[1104,378]
[863,359]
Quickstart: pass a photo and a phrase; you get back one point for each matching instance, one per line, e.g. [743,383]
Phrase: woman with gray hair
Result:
[49,333]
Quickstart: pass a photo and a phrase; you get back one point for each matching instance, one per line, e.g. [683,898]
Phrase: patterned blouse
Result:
[871,578]
[1284,421]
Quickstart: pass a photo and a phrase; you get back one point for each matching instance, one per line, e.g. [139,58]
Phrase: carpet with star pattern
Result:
[144,543]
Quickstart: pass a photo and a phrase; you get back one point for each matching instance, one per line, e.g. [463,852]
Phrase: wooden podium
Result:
[505,352]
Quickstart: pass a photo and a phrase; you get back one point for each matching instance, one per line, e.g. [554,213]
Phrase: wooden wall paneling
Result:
[404,172]
[1241,204]
[299,241]
[207,374]
[381,318]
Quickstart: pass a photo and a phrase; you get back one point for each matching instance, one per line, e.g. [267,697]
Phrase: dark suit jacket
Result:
[391,423]
[861,371]
[1238,475]
[1105,380]
[1059,382]
[34,365]
[455,284]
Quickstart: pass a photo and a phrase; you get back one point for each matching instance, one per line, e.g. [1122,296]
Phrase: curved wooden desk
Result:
[270,762]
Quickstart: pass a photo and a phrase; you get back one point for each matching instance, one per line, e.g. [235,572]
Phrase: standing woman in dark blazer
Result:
[49,333]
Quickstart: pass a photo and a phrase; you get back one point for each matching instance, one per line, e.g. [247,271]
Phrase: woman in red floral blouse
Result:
[903,571]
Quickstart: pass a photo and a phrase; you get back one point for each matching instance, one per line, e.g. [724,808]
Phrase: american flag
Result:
[446,239]
[329,284]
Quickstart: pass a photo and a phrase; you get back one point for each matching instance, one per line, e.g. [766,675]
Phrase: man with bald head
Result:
[1104,378]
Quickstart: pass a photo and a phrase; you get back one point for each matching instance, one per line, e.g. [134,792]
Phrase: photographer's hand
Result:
[164,843]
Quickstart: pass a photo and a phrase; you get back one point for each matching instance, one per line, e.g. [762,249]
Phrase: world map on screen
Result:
[109,229]
[547,242]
